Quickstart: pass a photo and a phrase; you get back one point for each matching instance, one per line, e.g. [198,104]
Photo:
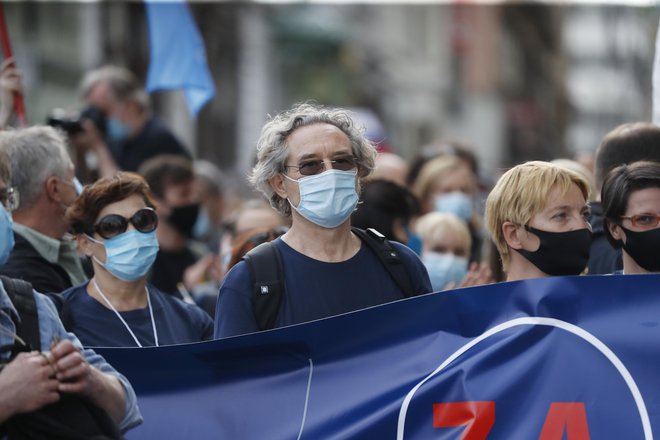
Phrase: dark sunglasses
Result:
[263,237]
[145,220]
[312,167]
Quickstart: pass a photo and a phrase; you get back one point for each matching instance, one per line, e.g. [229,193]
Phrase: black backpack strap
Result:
[22,296]
[388,256]
[70,418]
[267,276]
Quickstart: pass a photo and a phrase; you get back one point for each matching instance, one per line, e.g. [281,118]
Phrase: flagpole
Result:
[19,105]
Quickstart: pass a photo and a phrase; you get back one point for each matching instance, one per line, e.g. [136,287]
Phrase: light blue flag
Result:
[178,57]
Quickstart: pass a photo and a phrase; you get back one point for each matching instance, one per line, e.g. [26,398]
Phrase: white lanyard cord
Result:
[151,313]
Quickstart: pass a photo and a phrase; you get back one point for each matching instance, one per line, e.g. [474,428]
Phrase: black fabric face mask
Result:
[560,253]
[644,248]
[183,218]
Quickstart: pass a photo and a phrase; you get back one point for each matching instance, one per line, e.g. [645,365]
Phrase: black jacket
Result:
[26,263]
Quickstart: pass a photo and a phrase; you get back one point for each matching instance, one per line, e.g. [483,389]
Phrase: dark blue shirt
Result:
[316,289]
[97,326]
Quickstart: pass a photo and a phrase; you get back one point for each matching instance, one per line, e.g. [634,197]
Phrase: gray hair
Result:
[5,167]
[122,83]
[35,154]
[272,148]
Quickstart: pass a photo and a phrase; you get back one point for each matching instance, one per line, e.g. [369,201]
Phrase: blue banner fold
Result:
[565,357]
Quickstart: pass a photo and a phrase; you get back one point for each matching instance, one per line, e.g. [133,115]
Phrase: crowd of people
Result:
[132,242]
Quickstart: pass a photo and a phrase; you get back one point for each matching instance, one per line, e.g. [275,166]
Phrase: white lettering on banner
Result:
[563,325]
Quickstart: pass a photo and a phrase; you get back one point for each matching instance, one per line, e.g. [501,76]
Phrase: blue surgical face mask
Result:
[129,256]
[6,234]
[78,186]
[202,226]
[444,268]
[457,203]
[116,130]
[327,199]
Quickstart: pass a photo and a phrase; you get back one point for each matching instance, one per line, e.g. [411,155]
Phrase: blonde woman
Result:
[537,216]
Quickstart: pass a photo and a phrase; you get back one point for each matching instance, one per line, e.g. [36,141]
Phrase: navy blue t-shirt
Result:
[97,326]
[316,289]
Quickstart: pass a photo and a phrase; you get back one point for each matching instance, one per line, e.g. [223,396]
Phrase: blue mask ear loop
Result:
[94,240]
[78,186]
[288,199]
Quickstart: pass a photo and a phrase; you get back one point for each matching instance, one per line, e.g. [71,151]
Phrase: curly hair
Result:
[272,148]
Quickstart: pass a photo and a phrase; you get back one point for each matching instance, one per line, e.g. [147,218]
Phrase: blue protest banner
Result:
[550,359]
[178,57]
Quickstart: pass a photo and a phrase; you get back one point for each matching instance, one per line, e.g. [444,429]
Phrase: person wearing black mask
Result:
[537,215]
[631,207]
[172,182]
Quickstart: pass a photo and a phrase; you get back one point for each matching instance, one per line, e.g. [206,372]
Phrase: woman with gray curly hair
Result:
[310,162]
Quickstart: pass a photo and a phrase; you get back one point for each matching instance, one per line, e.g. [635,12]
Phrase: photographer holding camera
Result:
[118,125]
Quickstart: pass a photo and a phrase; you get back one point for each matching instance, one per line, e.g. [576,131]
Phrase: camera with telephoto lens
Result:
[70,121]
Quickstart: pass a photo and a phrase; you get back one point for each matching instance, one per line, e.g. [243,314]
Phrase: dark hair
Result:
[164,170]
[84,212]
[382,203]
[250,239]
[619,184]
[626,144]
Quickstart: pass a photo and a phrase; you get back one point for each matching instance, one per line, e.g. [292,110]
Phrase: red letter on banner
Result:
[566,415]
[477,417]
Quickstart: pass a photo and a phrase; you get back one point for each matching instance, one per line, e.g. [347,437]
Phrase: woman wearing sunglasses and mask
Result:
[115,225]
[309,163]
[631,207]
[537,215]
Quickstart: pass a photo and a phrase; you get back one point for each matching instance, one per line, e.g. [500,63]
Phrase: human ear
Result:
[511,234]
[277,183]
[51,187]
[84,245]
[616,231]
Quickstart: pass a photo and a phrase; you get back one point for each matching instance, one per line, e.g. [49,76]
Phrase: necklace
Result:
[151,313]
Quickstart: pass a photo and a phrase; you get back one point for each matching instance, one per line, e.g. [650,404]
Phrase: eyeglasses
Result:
[9,198]
[647,221]
[312,167]
[263,237]
[145,220]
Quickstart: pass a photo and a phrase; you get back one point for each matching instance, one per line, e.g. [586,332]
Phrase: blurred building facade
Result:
[515,82]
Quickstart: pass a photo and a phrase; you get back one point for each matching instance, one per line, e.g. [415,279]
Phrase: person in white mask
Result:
[115,224]
[310,161]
